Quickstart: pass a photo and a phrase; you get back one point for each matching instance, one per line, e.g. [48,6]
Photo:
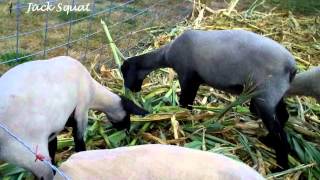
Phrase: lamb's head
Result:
[133,76]
[121,120]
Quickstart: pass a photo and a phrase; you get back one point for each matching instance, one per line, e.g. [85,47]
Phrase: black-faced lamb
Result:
[155,161]
[226,60]
[37,100]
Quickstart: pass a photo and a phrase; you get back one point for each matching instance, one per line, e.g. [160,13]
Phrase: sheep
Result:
[226,60]
[39,98]
[155,161]
[306,84]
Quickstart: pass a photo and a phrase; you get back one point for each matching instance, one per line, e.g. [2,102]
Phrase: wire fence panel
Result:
[39,35]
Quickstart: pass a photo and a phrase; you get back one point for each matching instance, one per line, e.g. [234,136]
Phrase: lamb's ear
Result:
[132,108]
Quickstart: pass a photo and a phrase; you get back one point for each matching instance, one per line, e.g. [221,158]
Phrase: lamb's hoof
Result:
[267,140]
[277,169]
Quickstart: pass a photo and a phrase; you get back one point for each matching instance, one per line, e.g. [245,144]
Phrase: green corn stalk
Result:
[117,57]
[113,47]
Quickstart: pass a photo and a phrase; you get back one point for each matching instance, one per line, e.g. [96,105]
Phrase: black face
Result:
[130,76]
[130,108]
[123,124]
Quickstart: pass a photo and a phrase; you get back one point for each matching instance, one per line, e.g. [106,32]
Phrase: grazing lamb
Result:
[37,100]
[226,60]
[306,84]
[155,161]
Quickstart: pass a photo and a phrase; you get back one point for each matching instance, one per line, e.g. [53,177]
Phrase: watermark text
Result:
[33,7]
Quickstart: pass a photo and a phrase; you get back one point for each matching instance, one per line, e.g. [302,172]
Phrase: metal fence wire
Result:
[45,34]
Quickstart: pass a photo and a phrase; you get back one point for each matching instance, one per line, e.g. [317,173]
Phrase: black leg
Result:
[189,84]
[71,120]
[52,149]
[253,109]
[282,113]
[277,136]
[79,144]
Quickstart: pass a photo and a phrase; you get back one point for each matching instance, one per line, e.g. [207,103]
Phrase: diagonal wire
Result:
[28,147]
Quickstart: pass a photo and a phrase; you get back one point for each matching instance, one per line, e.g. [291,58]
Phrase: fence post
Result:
[93,11]
[45,42]
[69,33]
[17,28]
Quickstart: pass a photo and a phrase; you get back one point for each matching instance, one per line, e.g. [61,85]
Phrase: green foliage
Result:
[305,150]
[99,1]
[64,16]
[194,144]
[302,6]
[7,57]
[9,169]
[126,9]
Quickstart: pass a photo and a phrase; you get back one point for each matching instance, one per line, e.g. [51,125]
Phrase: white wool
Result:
[153,162]
[36,99]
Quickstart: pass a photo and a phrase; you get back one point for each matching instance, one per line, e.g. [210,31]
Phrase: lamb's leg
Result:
[277,136]
[79,144]
[19,155]
[81,120]
[253,109]
[189,83]
[52,149]
[282,113]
